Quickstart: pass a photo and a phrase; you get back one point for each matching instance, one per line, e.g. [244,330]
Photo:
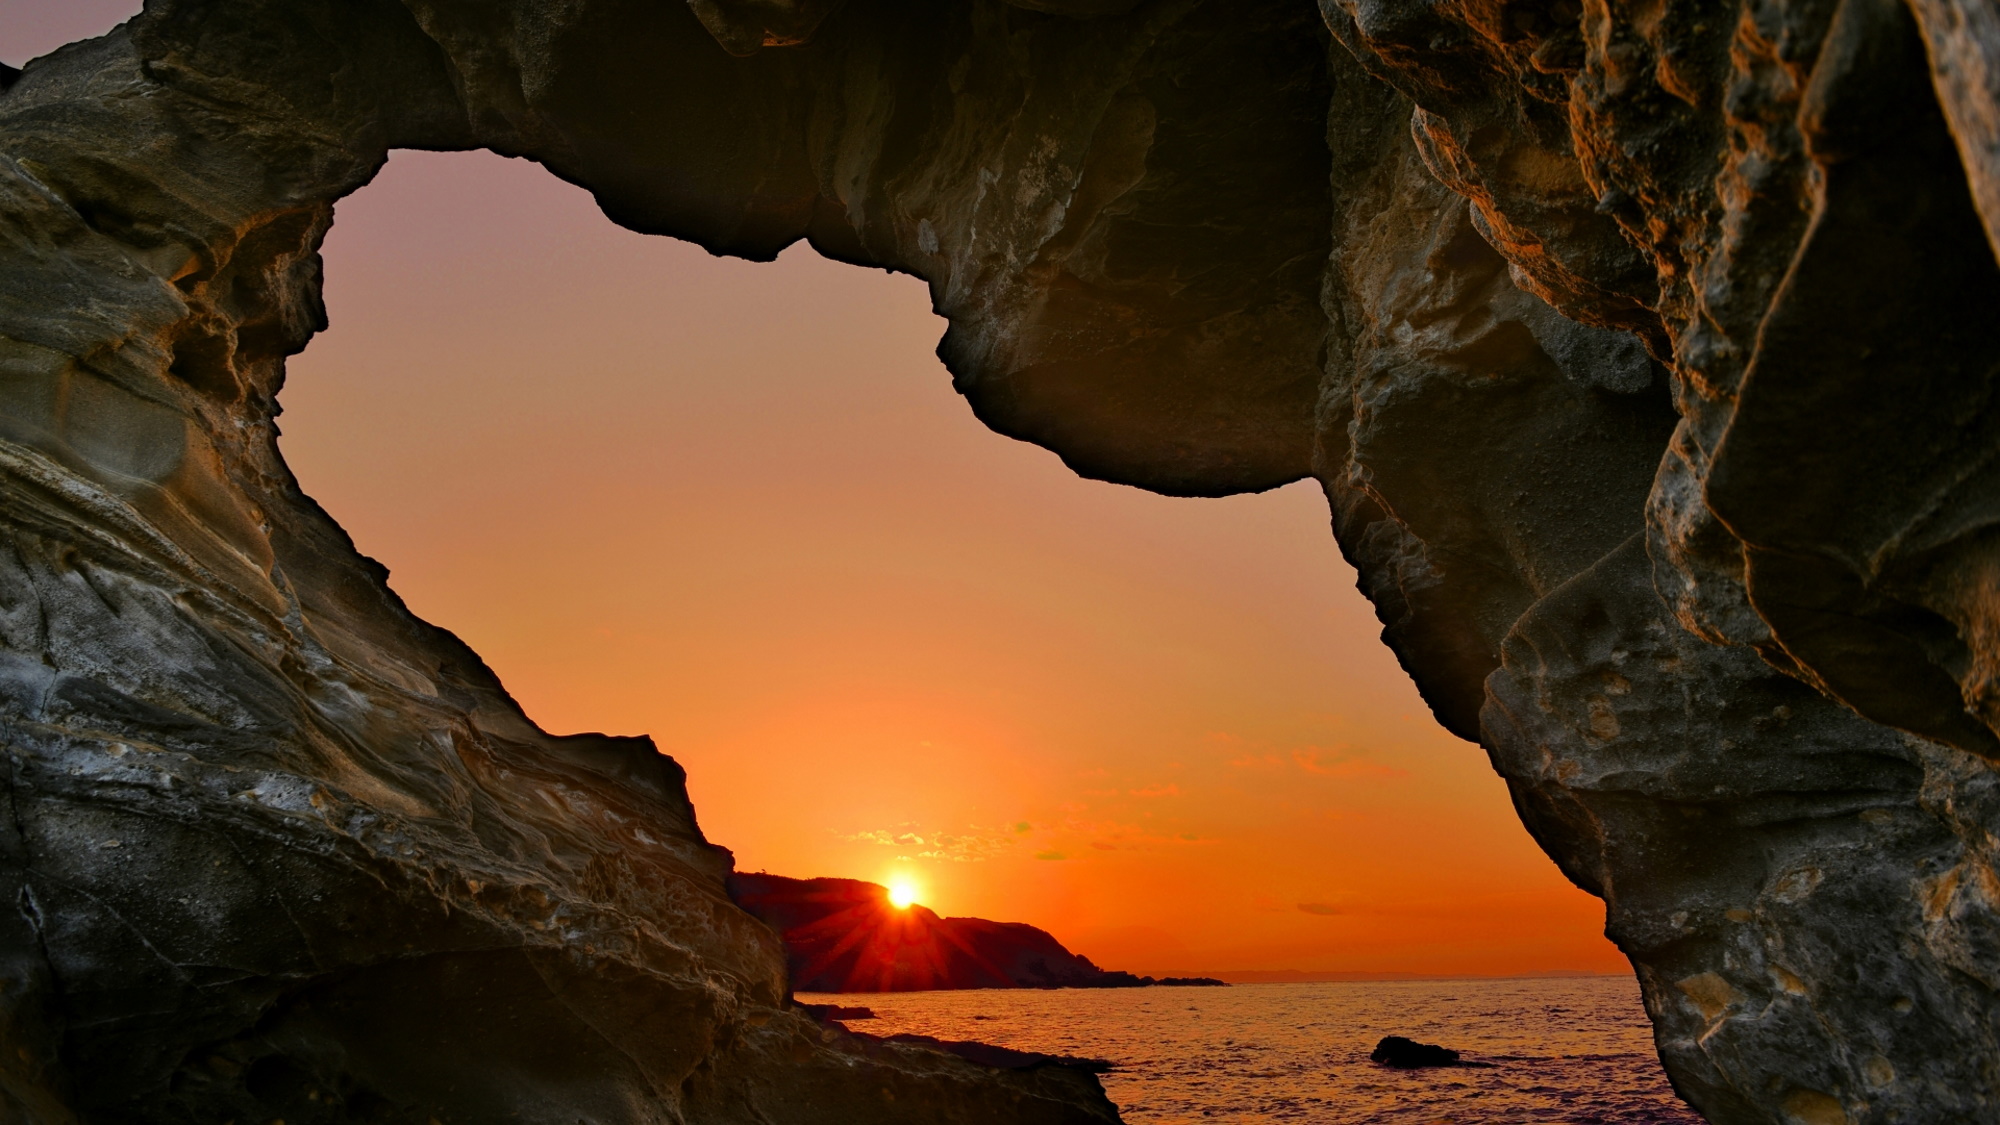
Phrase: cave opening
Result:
[1646,472]
[737,507]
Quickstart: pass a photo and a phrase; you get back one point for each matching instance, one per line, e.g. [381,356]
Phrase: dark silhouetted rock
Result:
[1408,1054]
[844,935]
[829,1013]
[1001,1058]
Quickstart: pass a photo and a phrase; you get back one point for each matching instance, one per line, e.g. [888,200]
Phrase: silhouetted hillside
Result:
[844,935]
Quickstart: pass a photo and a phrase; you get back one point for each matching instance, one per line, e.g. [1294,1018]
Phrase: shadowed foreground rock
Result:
[1646,354]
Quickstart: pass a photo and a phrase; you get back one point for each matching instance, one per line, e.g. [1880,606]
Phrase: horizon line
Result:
[1337,976]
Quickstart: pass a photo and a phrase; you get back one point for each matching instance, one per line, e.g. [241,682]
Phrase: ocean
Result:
[1572,1050]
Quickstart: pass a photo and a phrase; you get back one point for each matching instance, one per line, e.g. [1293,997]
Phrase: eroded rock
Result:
[1645,355]
[277,849]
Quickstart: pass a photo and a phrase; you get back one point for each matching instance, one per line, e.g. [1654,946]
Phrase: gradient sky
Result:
[738,508]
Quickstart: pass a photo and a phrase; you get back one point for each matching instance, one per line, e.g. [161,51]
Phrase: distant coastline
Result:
[1317,976]
[846,935]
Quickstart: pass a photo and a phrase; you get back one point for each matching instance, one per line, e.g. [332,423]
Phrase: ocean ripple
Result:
[1572,1050]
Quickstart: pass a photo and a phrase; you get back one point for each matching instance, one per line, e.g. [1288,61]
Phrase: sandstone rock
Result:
[277,849]
[1964,42]
[1645,353]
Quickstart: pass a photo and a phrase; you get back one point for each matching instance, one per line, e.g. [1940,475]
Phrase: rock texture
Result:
[274,849]
[844,935]
[1645,351]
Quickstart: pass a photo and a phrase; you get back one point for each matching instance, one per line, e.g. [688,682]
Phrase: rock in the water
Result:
[835,1013]
[1000,1058]
[1645,353]
[1408,1054]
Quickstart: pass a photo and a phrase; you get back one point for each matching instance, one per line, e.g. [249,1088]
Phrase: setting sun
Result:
[902,893]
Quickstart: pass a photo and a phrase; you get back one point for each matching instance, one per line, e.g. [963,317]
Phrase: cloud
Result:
[1169,790]
[1321,908]
[971,846]
[1022,827]
[1116,835]
[1050,855]
[1337,760]
[1331,763]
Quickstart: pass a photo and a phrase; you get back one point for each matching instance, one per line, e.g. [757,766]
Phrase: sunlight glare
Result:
[902,893]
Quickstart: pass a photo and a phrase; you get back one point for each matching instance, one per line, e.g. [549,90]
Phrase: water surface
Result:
[1577,1051]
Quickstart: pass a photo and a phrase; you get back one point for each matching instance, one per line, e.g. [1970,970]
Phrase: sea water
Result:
[1572,1050]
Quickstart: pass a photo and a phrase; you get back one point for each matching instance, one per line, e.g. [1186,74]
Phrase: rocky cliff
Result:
[844,935]
[1645,352]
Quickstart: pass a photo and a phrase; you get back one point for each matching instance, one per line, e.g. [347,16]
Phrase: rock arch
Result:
[1644,357]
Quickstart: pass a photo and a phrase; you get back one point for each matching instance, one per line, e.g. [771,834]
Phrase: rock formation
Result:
[277,850]
[1408,1054]
[844,935]
[1645,353]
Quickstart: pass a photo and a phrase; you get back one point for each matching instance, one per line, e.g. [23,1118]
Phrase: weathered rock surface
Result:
[1646,354]
[844,935]
[274,848]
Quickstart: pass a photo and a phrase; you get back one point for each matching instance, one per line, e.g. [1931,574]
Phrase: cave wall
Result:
[275,848]
[1643,353]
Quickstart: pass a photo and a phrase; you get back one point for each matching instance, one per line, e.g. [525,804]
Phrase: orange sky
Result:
[739,508]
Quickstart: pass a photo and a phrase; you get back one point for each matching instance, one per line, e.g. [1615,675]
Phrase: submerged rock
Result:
[1645,355]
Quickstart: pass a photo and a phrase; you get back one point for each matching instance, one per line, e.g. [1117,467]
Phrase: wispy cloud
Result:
[971,845]
[1322,908]
[1116,835]
[1319,761]
[1335,763]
